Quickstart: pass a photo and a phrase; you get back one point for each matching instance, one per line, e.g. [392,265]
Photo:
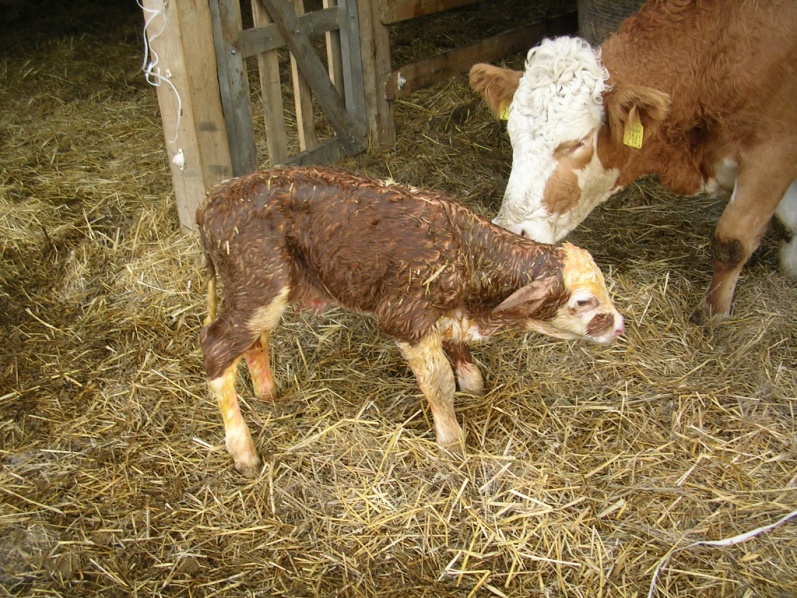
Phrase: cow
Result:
[435,275]
[701,94]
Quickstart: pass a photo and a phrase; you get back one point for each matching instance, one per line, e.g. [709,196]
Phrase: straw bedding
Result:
[585,467]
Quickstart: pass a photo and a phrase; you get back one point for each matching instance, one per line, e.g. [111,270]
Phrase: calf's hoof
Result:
[242,450]
[453,442]
[249,467]
[469,379]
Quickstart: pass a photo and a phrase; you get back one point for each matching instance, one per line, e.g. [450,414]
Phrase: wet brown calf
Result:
[435,276]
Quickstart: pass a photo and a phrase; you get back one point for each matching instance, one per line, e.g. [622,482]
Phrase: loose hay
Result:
[586,465]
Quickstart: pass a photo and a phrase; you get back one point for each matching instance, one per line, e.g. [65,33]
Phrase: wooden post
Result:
[334,56]
[234,85]
[352,67]
[375,47]
[184,68]
[271,91]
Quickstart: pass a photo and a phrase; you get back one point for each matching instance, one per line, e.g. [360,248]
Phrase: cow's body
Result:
[434,275]
[714,84]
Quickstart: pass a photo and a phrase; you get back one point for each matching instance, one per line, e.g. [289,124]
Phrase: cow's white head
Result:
[554,120]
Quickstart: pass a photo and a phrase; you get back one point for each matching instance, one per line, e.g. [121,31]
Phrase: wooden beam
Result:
[189,100]
[395,11]
[266,37]
[349,130]
[326,152]
[431,70]
[302,98]
[234,85]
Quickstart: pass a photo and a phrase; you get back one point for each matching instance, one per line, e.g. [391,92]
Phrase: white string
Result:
[150,66]
[724,542]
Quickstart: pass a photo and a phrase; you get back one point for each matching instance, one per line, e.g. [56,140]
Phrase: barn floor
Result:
[586,466]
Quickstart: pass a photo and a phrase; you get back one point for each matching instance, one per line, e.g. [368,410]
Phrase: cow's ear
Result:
[531,297]
[627,105]
[496,85]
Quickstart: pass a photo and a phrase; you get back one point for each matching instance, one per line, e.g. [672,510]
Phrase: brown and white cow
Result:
[435,276]
[702,94]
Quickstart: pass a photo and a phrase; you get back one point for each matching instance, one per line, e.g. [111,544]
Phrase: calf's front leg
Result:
[259,368]
[436,380]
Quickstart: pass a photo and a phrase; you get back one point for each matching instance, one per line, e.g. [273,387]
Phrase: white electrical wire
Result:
[151,59]
[724,542]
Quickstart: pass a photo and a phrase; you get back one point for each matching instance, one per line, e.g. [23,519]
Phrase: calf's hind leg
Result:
[436,379]
[224,341]
[236,433]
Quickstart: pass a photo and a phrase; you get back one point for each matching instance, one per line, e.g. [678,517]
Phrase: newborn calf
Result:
[435,276]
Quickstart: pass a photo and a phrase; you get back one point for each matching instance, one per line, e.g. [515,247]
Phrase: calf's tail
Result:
[212,297]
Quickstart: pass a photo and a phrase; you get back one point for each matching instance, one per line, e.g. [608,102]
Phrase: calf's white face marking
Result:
[554,120]
[589,312]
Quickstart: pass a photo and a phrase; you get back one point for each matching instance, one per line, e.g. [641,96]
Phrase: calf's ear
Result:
[496,85]
[624,103]
[530,297]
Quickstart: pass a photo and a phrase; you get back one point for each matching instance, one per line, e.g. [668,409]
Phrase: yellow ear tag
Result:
[634,131]
[504,114]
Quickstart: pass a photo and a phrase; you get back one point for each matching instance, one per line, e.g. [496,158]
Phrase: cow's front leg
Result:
[436,379]
[761,184]
[469,377]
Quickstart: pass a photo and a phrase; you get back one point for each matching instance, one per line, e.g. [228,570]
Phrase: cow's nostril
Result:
[523,233]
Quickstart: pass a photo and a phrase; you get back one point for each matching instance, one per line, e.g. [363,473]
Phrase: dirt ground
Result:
[586,466]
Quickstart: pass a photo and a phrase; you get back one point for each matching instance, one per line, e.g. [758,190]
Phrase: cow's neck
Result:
[672,152]
[673,161]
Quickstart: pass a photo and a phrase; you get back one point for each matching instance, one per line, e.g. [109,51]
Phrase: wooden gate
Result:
[198,52]
[335,81]
[204,96]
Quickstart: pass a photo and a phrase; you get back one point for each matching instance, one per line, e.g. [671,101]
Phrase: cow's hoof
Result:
[703,316]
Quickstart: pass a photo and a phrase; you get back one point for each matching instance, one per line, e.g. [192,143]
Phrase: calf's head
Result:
[580,310]
[559,112]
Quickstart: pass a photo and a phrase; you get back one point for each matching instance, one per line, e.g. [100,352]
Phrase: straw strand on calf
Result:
[435,276]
